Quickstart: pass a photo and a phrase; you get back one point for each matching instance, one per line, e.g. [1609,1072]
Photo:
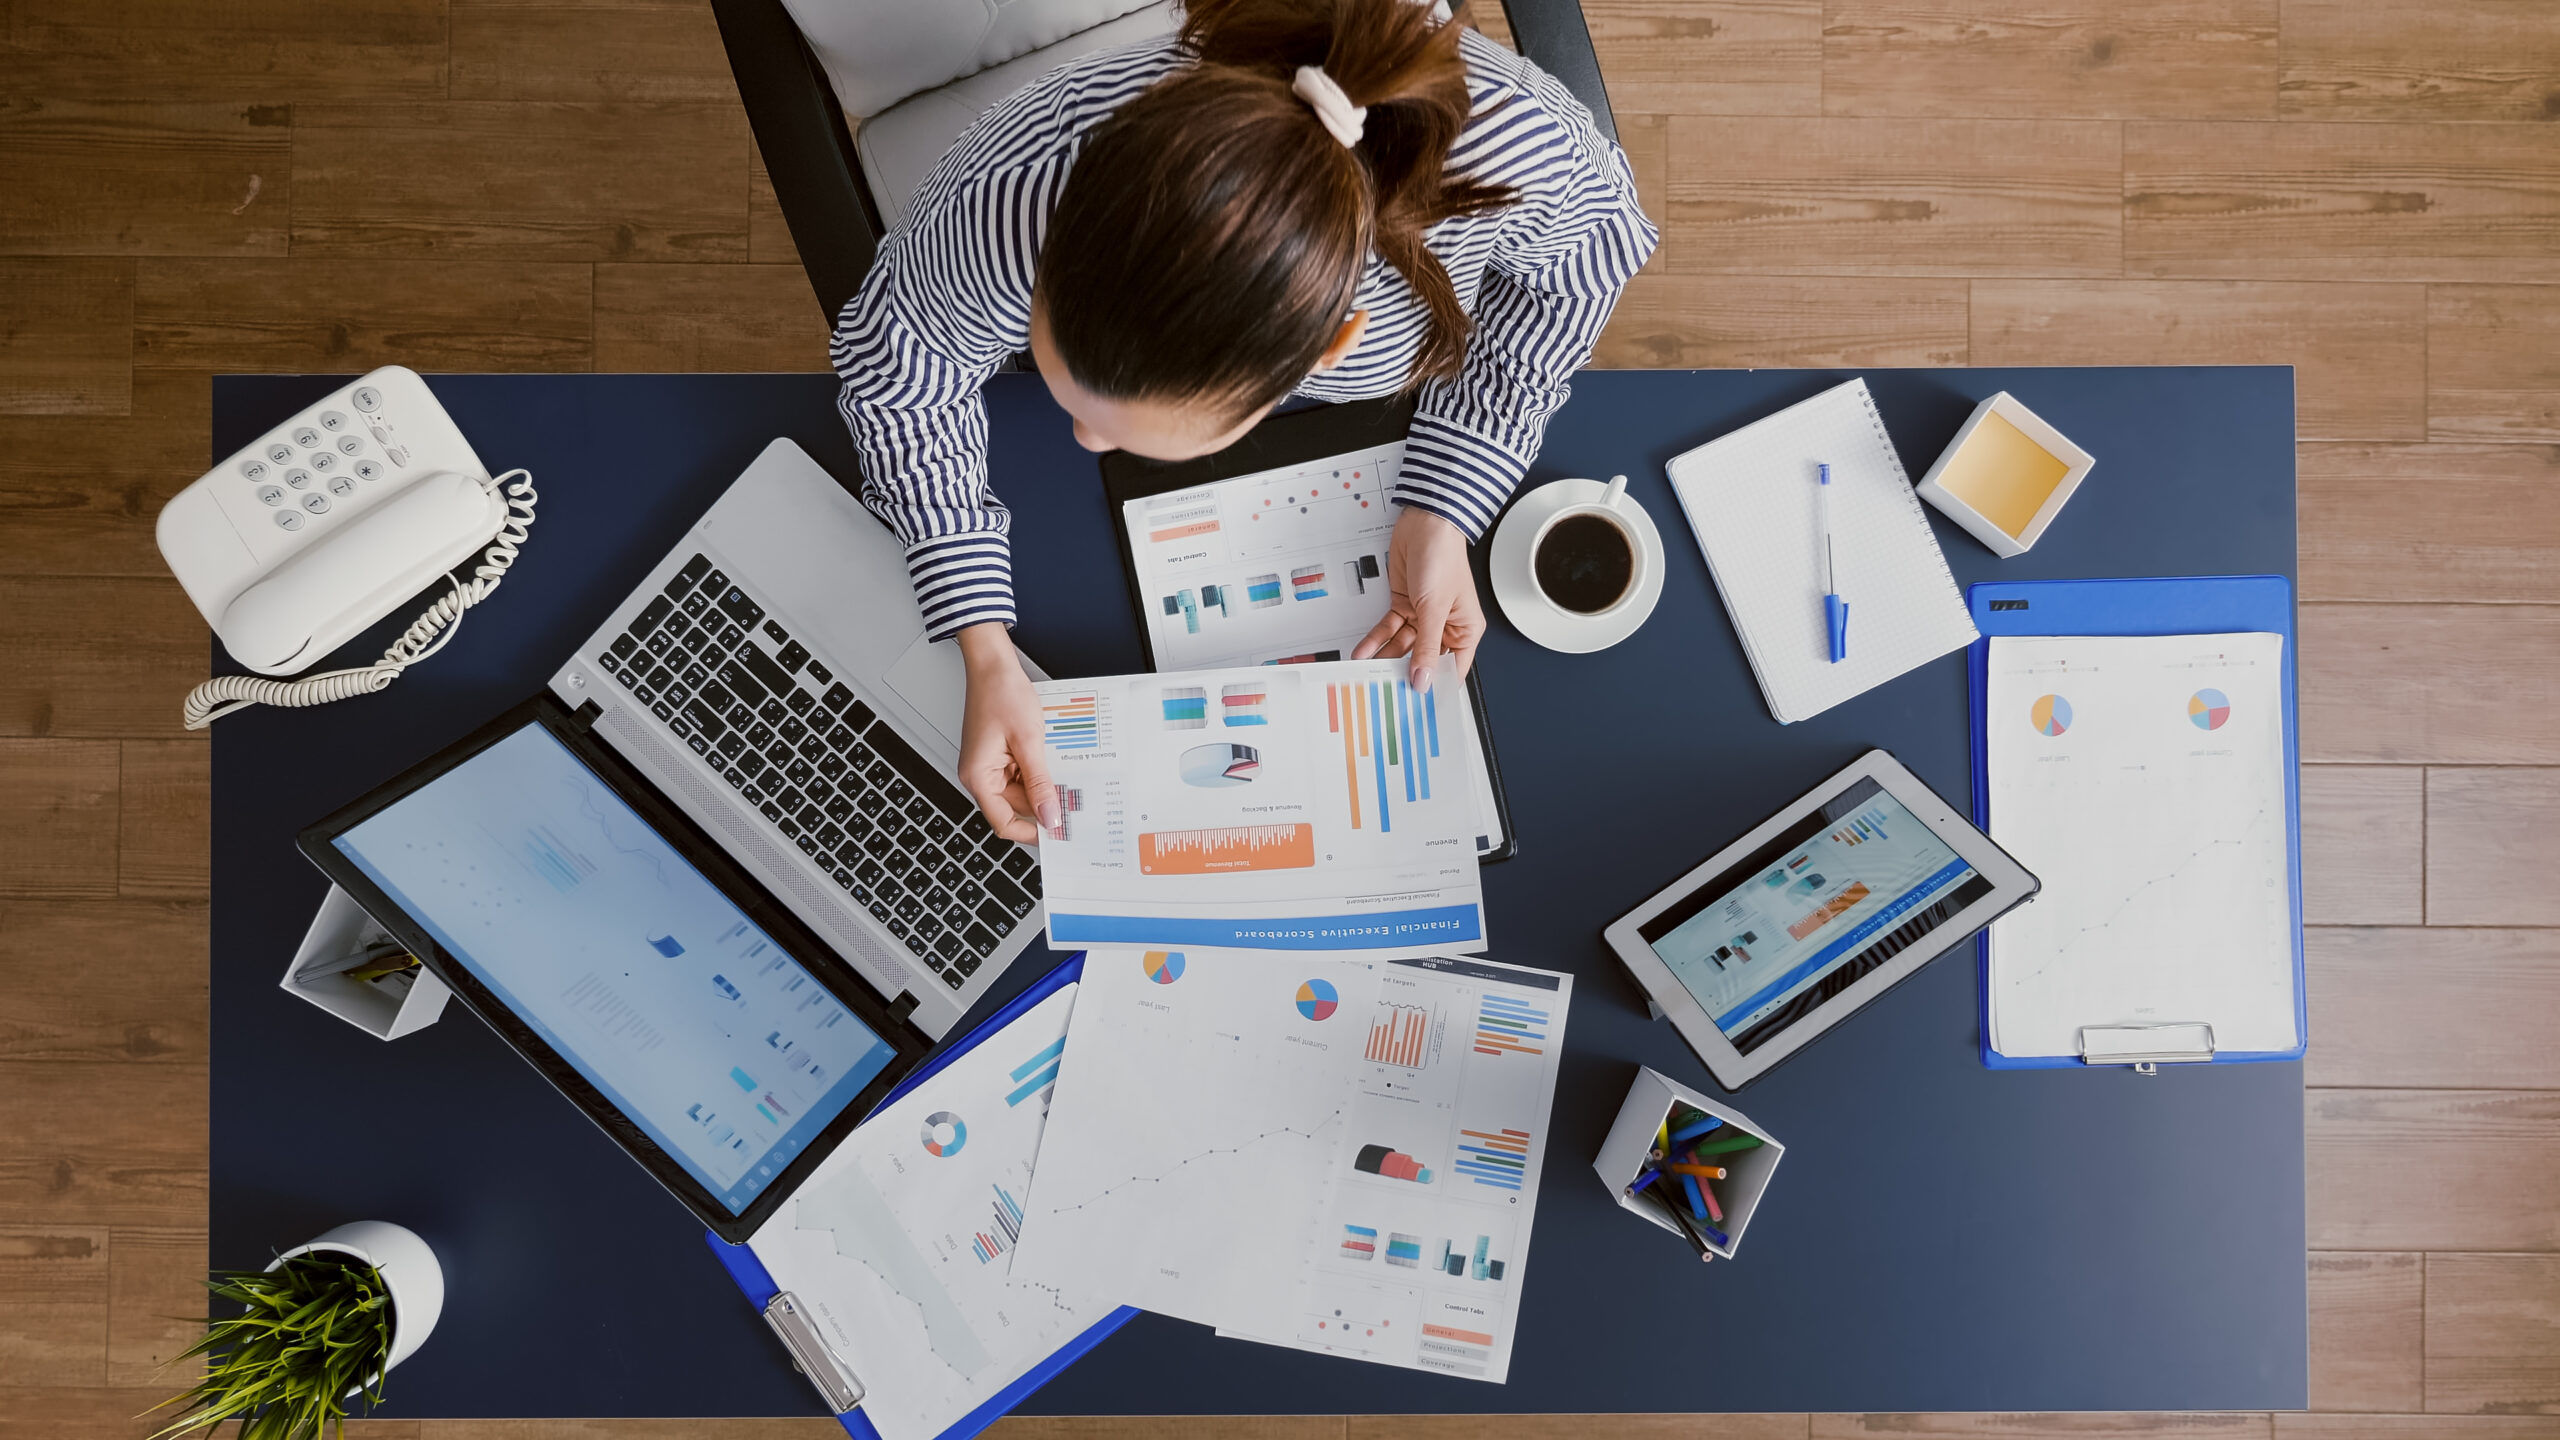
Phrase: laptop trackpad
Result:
[931,678]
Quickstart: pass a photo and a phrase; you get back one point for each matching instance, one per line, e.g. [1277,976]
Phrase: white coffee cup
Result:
[1576,580]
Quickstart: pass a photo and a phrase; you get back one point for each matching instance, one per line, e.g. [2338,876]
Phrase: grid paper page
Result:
[1750,497]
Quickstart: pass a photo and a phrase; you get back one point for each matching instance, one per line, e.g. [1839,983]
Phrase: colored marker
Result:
[1697,1205]
[1835,611]
[1715,1211]
[1727,1145]
[1703,1172]
[1693,1130]
[1643,1180]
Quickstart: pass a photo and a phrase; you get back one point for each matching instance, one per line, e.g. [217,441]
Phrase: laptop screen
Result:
[582,919]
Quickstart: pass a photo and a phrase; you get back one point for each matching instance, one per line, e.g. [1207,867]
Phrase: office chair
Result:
[916,72]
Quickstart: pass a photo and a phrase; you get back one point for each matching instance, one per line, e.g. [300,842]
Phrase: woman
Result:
[1334,199]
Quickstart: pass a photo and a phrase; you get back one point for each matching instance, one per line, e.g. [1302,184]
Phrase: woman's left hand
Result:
[1432,607]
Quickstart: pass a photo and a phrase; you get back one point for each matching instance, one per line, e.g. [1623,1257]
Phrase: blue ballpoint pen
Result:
[1835,611]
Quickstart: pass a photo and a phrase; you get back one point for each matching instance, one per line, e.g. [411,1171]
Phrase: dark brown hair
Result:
[1210,239]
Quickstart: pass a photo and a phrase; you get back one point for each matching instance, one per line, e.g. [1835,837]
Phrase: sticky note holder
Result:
[2006,475]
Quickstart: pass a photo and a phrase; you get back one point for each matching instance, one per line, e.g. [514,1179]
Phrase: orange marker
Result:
[1703,1172]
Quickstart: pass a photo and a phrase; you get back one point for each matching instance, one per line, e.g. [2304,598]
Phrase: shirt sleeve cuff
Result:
[1461,478]
[962,580]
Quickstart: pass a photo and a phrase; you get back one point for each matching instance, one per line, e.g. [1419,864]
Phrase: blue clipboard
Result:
[758,1286]
[2203,605]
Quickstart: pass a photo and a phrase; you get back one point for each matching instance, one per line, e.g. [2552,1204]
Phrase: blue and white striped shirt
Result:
[948,300]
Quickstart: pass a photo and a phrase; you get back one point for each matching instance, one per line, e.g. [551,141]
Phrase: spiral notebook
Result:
[1750,498]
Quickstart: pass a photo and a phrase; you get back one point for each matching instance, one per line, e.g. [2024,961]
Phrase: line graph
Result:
[1176,1172]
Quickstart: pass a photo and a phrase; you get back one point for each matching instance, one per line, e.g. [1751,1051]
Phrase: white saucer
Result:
[1517,593]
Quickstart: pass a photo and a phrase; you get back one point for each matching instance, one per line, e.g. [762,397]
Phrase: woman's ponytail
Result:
[1212,234]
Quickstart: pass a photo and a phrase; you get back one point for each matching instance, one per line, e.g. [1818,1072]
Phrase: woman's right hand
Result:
[1000,757]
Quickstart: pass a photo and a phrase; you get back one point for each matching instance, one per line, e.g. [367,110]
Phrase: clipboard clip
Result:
[811,1355]
[2147,1047]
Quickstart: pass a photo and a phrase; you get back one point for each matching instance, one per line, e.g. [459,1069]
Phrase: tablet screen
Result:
[626,960]
[1771,939]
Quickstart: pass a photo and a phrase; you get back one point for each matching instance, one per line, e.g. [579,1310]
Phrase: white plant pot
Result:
[408,1269]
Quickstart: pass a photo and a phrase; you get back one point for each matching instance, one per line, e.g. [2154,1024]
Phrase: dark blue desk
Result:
[1941,1237]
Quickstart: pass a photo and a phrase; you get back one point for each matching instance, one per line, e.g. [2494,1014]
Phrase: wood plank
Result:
[79,494]
[164,831]
[2304,201]
[122,981]
[1699,321]
[588,50]
[277,51]
[2298,1426]
[2493,845]
[2364,832]
[2433,1007]
[768,234]
[2046,59]
[352,315]
[87,178]
[66,337]
[1647,141]
[493,180]
[1488,17]
[2431,1169]
[156,1306]
[1579,1427]
[2368,1315]
[2454,60]
[109,1143]
[2359,352]
[61,800]
[93,656]
[730,1429]
[2493,1334]
[2074,1426]
[2465,523]
[1896,197]
[708,317]
[2493,362]
[2401,684]
[53,1305]
[1709,57]
[64,1412]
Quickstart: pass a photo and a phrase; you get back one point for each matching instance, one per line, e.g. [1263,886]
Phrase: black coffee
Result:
[1584,564]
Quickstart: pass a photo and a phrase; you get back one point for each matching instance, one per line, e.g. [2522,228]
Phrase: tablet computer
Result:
[619,950]
[1819,909]
[1274,552]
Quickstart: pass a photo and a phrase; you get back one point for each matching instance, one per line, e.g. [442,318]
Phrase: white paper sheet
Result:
[1313,808]
[1336,1157]
[2141,778]
[904,1255]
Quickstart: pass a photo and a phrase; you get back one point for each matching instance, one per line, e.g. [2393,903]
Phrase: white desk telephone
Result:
[319,527]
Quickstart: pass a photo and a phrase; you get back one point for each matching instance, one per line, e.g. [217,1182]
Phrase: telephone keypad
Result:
[281,453]
[288,519]
[270,494]
[316,503]
[368,470]
[332,421]
[322,460]
[307,438]
[298,478]
[341,485]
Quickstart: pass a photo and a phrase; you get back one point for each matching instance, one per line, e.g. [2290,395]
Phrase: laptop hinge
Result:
[587,714]
[903,1007]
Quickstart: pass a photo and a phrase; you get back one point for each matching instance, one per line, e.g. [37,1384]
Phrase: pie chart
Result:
[1317,999]
[2209,709]
[944,1133]
[2052,715]
[1162,966]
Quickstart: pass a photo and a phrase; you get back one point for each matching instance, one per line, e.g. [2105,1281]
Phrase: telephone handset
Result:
[320,527]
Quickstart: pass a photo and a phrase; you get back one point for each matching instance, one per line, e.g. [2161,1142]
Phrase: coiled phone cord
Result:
[227,694]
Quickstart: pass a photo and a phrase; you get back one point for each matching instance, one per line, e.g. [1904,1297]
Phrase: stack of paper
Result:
[1336,1156]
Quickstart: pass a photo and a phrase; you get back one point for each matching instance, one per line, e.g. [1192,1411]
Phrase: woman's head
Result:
[1205,251]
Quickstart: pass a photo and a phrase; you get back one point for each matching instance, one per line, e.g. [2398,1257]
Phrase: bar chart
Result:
[1226,849]
[1397,1034]
[1396,730]
[1499,1158]
[1506,1026]
[1073,722]
[1002,1231]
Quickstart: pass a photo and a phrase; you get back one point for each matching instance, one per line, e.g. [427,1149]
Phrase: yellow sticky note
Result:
[2002,474]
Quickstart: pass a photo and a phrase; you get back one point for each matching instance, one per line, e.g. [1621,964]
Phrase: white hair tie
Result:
[1344,119]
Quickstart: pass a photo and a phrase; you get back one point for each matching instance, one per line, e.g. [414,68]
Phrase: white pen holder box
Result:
[1630,1142]
[339,937]
[2006,475]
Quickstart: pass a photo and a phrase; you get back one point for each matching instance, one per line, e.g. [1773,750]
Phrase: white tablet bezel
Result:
[2011,885]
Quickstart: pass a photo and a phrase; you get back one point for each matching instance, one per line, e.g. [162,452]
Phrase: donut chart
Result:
[944,1134]
[2210,709]
[2051,715]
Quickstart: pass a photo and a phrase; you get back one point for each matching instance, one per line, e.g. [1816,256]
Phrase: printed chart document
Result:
[2142,779]
[1280,567]
[1336,1157]
[1296,807]
[902,1243]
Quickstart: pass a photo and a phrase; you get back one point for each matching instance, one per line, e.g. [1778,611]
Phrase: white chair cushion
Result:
[899,146]
[879,52]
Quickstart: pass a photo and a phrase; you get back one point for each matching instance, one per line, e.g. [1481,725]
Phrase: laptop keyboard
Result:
[896,834]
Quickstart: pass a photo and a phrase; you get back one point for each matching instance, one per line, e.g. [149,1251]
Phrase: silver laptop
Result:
[773,679]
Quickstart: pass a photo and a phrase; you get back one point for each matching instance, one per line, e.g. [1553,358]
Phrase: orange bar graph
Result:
[1396,1036]
[1823,913]
[1515,1141]
[1226,849]
[1350,757]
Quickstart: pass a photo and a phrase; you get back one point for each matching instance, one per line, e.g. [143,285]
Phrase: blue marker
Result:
[1697,1202]
[1694,1129]
[1835,611]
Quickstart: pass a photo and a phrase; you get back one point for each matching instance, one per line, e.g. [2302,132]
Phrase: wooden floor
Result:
[2368,190]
